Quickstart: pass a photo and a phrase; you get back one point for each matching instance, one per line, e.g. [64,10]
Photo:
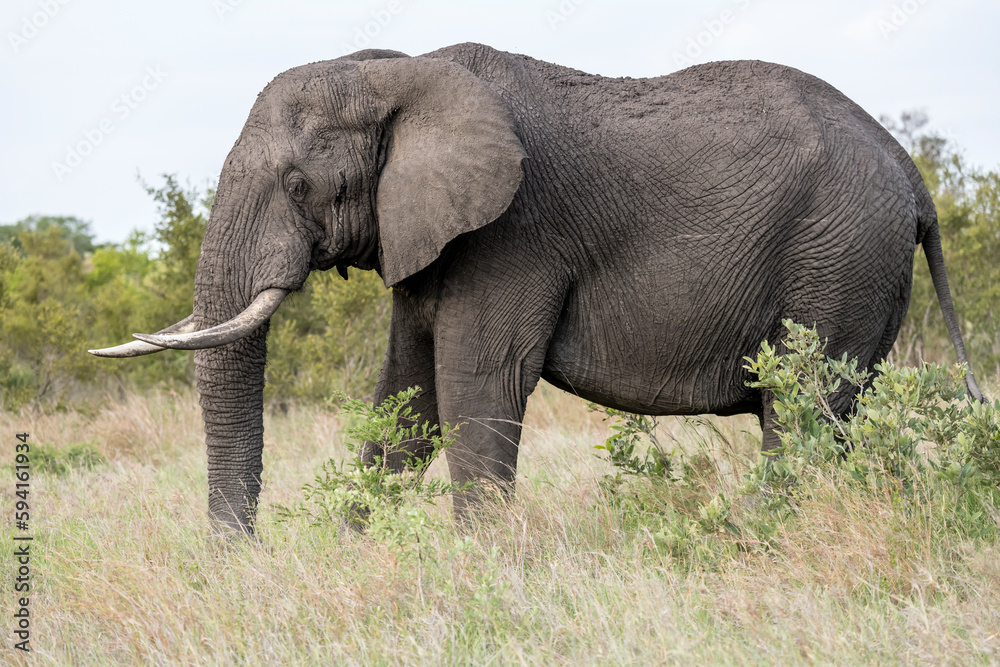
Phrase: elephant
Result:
[628,240]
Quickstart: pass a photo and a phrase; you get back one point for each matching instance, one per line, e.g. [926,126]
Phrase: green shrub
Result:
[913,433]
[670,496]
[42,330]
[631,431]
[387,503]
[914,441]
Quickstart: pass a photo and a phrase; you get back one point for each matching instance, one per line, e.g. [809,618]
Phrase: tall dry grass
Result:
[126,572]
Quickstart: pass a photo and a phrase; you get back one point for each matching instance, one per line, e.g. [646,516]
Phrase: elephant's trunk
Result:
[239,267]
[231,385]
[231,376]
[230,373]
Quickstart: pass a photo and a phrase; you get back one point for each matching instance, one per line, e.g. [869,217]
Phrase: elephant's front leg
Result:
[489,359]
[409,362]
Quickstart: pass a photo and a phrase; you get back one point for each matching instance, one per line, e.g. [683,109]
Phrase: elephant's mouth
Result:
[182,336]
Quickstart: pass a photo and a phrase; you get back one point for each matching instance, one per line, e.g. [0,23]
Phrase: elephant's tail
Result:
[930,239]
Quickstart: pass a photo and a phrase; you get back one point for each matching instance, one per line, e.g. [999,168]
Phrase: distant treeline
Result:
[60,294]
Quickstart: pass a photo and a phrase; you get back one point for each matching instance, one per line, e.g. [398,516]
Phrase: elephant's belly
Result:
[647,358]
[652,387]
[645,392]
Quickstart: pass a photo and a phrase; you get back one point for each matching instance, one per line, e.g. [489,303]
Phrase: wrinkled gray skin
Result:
[628,240]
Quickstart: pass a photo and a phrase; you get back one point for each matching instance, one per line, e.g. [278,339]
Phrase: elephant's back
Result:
[733,107]
[728,100]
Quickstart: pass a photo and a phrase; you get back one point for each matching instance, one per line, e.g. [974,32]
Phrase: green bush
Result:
[630,432]
[914,441]
[671,496]
[913,434]
[387,503]
[42,323]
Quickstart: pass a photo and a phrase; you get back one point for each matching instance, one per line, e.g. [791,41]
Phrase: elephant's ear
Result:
[452,164]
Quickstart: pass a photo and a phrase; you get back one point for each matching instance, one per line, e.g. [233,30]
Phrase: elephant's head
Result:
[374,160]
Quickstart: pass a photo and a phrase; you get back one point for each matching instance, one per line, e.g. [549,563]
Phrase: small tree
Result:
[41,318]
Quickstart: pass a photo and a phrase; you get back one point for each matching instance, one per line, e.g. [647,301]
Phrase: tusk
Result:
[250,319]
[137,348]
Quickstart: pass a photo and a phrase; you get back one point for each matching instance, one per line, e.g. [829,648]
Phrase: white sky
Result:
[66,78]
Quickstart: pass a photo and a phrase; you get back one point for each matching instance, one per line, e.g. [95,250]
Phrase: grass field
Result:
[124,571]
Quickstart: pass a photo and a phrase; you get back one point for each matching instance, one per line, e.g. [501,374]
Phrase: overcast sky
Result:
[153,88]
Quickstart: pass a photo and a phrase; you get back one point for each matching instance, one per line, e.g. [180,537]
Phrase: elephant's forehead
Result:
[284,110]
[315,91]
[291,117]
[298,116]
[276,145]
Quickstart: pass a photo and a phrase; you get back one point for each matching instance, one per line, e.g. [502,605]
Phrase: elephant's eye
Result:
[297,189]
